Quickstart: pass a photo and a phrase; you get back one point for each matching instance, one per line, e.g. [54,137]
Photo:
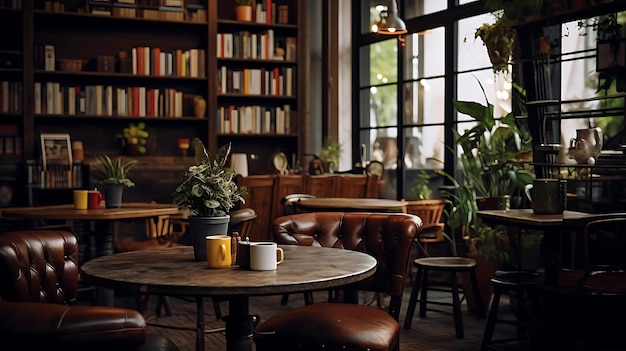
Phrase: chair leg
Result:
[491,320]
[477,296]
[413,300]
[285,299]
[456,307]
[216,308]
[424,294]
[163,302]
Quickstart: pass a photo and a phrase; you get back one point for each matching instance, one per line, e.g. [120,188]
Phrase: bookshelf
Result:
[89,68]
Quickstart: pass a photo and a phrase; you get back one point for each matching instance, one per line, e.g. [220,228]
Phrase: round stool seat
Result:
[332,326]
[446,263]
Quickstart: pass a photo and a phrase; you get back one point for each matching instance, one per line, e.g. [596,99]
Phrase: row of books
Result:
[106,100]
[263,46]
[278,81]
[267,11]
[10,97]
[10,140]
[55,176]
[179,63]
[143,60]
[166,10]
[255,120]
[11,4]
[11,145]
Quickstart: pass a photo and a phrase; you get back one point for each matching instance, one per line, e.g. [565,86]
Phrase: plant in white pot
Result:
[209,191]
[112,174]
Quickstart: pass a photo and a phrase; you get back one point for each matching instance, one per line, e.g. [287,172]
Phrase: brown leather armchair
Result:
[387,237]
[38,284]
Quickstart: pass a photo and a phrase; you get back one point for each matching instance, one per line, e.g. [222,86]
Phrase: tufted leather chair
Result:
[39,281]
[343,326]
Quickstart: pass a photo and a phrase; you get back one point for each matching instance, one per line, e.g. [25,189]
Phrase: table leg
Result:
[103,234]
[239,324]
[199,323]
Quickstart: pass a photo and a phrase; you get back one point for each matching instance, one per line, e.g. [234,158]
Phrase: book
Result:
[49,58]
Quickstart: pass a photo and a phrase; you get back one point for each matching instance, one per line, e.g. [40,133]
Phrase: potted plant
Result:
[491,152]
[329,155]
[134,139]
[499,37]
[112,174]
[244,10]
[209,191]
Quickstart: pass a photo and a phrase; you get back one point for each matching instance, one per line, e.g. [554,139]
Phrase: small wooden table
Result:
[173,271]
[103,219]
[553,226]
[345,204]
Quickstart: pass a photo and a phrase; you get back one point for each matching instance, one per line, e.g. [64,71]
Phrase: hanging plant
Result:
[499,40]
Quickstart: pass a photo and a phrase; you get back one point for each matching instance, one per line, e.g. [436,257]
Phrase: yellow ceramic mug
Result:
[218,251]
[80,199]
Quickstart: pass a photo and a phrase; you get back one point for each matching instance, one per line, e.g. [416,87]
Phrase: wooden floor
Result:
[434,332]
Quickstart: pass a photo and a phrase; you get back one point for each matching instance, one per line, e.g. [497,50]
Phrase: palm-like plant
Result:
[112,171]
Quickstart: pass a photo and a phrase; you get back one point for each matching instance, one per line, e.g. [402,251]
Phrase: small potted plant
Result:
[112,174]
[244,10]
[329,155]
[209,191]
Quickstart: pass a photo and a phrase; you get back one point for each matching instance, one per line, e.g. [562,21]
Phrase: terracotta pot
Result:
[244,13]
[485,270]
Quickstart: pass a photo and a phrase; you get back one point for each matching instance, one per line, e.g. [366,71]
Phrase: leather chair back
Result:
[385,236]
[38,266]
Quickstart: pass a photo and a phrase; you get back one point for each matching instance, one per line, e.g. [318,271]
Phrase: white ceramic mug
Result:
[265,256]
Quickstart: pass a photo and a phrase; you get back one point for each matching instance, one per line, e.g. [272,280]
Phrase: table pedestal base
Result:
[239,324]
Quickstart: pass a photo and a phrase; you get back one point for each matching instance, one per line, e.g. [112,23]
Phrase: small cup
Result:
[80,199]
[265,256]
[218,251]
[94,198]
[243,254]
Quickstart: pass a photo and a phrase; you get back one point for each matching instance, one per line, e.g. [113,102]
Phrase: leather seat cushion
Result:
[330,326]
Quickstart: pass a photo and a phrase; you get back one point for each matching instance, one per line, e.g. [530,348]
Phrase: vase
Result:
[199,107]
[113,195]
[200,228]
[244,13]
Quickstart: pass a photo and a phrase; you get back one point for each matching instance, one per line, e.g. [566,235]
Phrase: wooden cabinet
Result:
[266,192]
[90,72]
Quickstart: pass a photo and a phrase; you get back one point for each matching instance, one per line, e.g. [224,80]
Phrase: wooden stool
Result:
[512,283]
[453,265]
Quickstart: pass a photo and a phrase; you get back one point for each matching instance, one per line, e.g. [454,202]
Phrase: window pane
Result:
[383,62]
[498,91]
[424,147]
[423,7]
[424,101]
[382,146]
[424,54]
[382,110]
[472,52]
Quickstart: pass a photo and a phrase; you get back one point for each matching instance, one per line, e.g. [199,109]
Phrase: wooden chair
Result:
[431,213]
[320,185]
[585,308]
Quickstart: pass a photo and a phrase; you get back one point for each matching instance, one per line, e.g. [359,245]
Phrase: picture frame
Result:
[56,149]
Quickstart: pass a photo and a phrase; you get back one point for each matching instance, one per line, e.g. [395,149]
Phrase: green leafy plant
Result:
[499,40]
[420,189]
[112,171]
[135,134]
[208,188]
[330,152]
[491,149]
[244,2]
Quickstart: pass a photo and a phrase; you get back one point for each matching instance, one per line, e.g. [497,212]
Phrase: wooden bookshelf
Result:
[88,68]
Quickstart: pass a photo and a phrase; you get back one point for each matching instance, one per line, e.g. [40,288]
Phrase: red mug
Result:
[94,198]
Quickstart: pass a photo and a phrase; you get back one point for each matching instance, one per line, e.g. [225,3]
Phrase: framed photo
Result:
[56,149]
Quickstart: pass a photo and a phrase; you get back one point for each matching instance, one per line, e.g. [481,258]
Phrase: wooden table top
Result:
[173,271]
[352,204]
[528,218]
[68,212]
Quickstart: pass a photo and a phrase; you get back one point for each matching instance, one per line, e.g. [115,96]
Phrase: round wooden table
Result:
[345,204]
[174,271]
